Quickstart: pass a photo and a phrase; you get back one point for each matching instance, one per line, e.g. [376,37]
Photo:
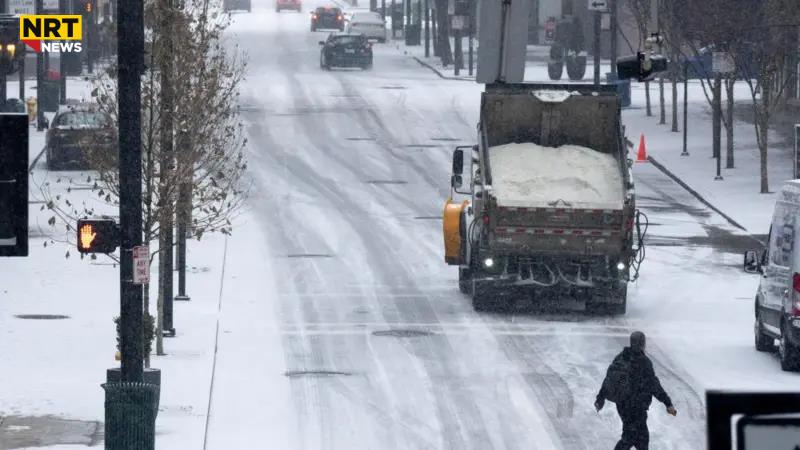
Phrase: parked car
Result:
[777,302]
[80,137]
[327,17]
[370,25]
[237,5]
[288,4]
[345,50]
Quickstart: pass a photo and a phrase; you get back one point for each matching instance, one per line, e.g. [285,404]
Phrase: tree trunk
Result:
[729,161]
[674,83]
[647,99]
[763,146]
[160,323]
[763,141]
[662,106]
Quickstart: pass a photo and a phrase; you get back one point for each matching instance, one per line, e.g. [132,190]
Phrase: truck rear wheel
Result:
[464,280]
[617,305]
[485,298]
[789,354]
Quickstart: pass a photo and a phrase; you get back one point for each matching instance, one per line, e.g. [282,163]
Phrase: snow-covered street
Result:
[362,323]
[329,319]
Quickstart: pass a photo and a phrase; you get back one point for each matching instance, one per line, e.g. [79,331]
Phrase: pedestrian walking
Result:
[631,383]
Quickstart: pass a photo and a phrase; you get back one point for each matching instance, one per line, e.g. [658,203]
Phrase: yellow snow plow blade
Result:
[452,231]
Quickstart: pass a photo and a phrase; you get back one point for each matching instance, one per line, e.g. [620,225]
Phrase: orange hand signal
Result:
[87,236]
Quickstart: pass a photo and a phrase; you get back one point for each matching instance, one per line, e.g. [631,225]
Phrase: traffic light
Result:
[13,185]
[641,66]
[97,235]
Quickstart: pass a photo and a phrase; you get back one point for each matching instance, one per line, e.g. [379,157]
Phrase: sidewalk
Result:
[737,195]
[60,341]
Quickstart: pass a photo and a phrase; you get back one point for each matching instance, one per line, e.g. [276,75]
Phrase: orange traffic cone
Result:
[641,155]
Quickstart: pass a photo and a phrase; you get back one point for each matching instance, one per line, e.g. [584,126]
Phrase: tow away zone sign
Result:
[141,264]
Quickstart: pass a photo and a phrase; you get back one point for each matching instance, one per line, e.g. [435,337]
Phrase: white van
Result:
[777,303]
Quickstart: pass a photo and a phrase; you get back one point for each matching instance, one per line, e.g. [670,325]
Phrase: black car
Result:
[241,5]
[80,137]
[327,17]
[346,50]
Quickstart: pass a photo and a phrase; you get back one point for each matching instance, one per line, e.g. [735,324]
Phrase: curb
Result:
[437,72]
[697,195]
[36,161]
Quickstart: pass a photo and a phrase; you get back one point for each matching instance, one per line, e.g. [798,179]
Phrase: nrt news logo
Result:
[51,32]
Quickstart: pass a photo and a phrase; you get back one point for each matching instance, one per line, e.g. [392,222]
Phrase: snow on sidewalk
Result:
[737,195]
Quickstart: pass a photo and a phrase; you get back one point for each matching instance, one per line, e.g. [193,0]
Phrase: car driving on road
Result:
[80,137]
[295,5]
[777,303]
[327,18]
[345,50]
[369,24]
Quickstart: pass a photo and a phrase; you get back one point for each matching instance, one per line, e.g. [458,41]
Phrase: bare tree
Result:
[210,158]
[766,56]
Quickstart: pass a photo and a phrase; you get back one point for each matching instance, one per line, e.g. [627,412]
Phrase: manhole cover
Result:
[393,87]
[360,139]
[315,373]
[387,182]
[420,146]
[445,139]
[308,255]
[402,333]
[41,316]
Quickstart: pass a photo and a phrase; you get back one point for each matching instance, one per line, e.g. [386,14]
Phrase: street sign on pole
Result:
[459,22]
[722,63]
[598,5]
[141,264]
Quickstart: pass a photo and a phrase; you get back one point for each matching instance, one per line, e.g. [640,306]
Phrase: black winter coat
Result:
[645,383]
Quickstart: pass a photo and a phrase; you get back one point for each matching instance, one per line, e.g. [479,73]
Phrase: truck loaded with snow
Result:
[551,205]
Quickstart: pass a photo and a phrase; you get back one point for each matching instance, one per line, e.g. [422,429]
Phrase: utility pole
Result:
[23,50]
[90,35]
[717,123]
[614,30]
[130,65]
[383,11]
[685,110]
[62,66]
[373,5]
[38,7]
[471,36]
[167,169]
[459,56]
[427,30]
[596,51]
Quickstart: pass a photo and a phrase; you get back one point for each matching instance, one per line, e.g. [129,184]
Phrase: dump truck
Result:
[548,202]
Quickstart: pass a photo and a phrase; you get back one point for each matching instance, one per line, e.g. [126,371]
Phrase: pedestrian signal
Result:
[97,235]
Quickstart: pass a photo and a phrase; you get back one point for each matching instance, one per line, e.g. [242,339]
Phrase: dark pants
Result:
[634,428]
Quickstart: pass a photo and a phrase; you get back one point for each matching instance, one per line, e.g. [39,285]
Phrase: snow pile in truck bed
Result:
[531,175]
